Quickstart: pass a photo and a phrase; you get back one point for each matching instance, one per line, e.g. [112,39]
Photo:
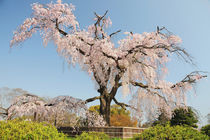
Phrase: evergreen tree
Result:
[184,116]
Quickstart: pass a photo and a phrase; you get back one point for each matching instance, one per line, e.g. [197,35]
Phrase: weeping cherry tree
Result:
[137,63]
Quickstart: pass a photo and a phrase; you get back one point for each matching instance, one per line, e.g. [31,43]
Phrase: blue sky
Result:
[41,71]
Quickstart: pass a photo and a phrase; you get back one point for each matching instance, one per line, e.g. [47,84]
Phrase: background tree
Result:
[122,117]
[118,116]
[137,64]
[162,119]
[184,116]
[58,111]
[7,95]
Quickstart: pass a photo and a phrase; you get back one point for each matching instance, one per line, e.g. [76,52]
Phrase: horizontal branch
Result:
[92,99]
[139,84]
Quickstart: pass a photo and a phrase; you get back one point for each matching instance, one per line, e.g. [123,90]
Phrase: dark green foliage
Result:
[92,136]
[182,116]
[167,132]
[206,130]
[27,130]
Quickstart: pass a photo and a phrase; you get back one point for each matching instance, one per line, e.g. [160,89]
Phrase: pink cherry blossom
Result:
[137,64]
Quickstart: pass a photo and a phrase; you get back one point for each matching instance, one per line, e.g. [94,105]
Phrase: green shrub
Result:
[206,130]
[27,130]
[92,136]
[168,132]
[183,116]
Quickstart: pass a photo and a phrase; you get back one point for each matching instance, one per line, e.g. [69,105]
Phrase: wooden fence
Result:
[120,132]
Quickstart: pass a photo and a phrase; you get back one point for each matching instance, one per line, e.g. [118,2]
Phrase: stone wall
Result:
[120,132]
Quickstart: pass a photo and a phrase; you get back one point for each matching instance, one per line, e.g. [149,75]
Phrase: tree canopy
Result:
[137,63]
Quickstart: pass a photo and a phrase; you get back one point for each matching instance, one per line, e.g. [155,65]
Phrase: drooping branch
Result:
[123,105]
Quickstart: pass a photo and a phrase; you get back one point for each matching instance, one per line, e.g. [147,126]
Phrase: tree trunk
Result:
[105,104]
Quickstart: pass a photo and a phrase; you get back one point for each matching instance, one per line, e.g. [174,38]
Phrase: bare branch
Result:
[114,33]
[97,24]
[190,78]
[92,99]
[101,17]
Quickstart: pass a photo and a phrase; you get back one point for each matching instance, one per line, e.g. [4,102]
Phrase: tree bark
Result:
[105,104]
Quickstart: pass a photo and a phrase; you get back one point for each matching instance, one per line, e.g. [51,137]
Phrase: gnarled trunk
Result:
[105,104]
